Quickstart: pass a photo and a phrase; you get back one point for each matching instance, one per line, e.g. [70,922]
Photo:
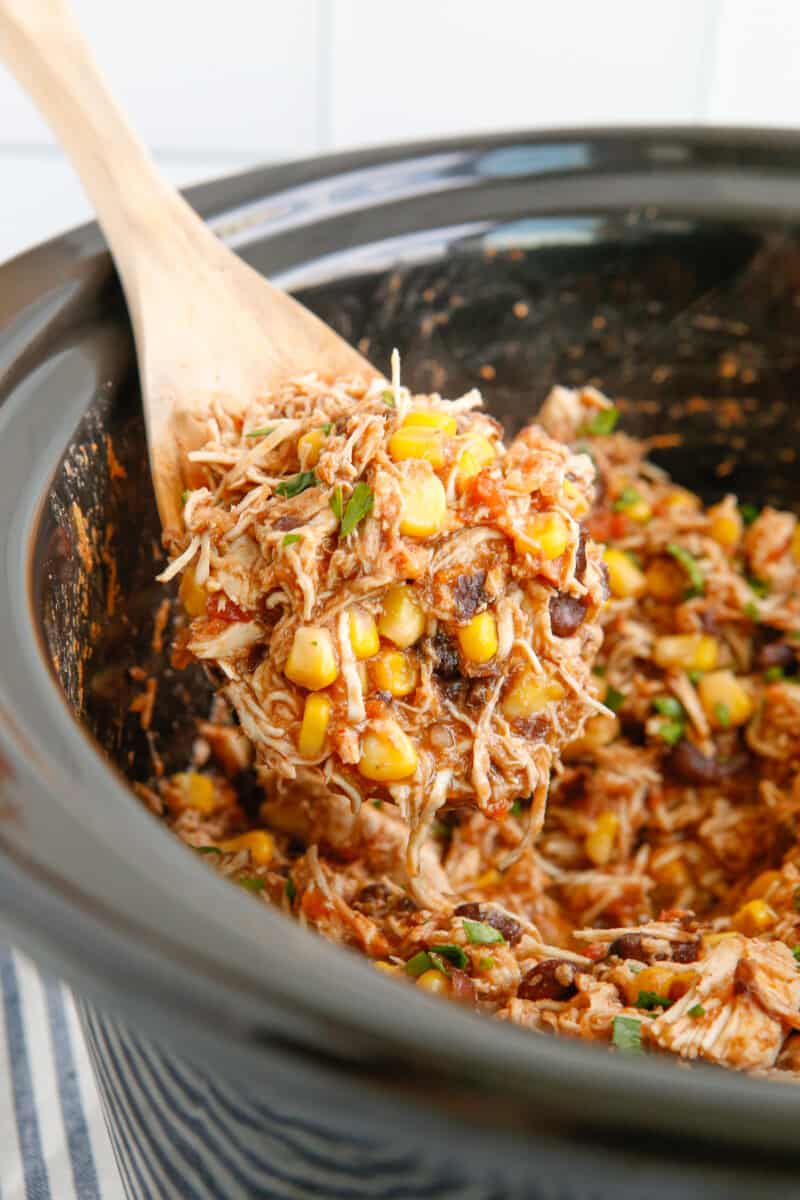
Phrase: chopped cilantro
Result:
[291,538]
[696,1011]
[358,507]
[759,586]
[723,714]
[627,1035]
[668,706]
[327,427]
[377,803]
[626,499]
[691,568]
[751,611]
[516,808]
[480,933]
[695,677]
[749,513]
[208,850]
[252,883]
[773,673]
[297,484]
[796,952]
[185,496]
[602,423]
[454,954]
[336,502]
[650,1000]
[388,397]
[671,732]
[614,699]
[290,890]
[599,669]
[486,964]
[268,429]
[419,964]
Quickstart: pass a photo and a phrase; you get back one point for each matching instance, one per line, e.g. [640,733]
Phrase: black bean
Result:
[446,655]
[469,595]
[686,952]
[288,522]
[566,614]
[690,765]
[580,557]
[553,979]
[629,946]
[775,654]
[479,692]
[510,929]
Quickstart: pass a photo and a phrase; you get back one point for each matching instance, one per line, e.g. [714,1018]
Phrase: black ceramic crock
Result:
[236,1053]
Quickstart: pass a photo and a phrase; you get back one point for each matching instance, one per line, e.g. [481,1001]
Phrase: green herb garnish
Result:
[751,610]
[185,496]
[796,953]
[626,499]
[599,669]
[614,699]
[668,706]
[252,883]
[696,1011]
[297,484]
[516,808]
[336,502]
[268,429]
[602,423]
[481,933]
[749,513]
[388,397]
[327,427]
[651,1000]
[454,954]
[773,673]
[627,1035]
[671,732]
[759,586]
[290,539]
[419,964]
[723,714]
[486,964]
[208,850]
[358,507]
[377,803]
[691,569]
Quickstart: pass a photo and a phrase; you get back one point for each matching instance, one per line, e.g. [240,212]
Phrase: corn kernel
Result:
[686,652]
[674,874]
[312,659]
[395,672]
[434,982]
[599,731]
[529,694]
[576,501]
[363,633]
[478,452]
[444,422]
[424,504]
[309,448]
[624,577]
[599,842]
[196,791]
[796,544]
[724,700]
[314,726]
[259,842]
[651,979]
[478,638]
[753,918]
[713,939]
[725,526]
[415,441]
[665,580]
[402,620]
[488,879]
[546,534]
[191,594]
[387,754]
[762,884]
[380,964]
[680,499]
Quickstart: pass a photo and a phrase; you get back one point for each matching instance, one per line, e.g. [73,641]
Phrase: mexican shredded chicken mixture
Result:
[416,630]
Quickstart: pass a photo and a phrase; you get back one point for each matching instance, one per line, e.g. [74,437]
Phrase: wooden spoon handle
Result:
[140,214]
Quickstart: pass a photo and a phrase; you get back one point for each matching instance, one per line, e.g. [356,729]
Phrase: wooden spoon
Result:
[207,326]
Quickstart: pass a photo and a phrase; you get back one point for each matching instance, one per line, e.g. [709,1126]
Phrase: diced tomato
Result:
[619,525]
[220,607]
[314,904]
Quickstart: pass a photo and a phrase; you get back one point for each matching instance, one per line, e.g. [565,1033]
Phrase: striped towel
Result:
[53,1139]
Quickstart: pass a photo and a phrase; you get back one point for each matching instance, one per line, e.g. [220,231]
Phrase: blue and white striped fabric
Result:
[53,1139]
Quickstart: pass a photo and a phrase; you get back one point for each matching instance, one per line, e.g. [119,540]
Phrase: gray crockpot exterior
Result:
[228,1069]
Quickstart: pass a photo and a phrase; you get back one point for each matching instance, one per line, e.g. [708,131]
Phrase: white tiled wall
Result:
[215,87]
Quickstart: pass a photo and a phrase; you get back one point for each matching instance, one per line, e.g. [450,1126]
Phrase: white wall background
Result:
[217,87]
